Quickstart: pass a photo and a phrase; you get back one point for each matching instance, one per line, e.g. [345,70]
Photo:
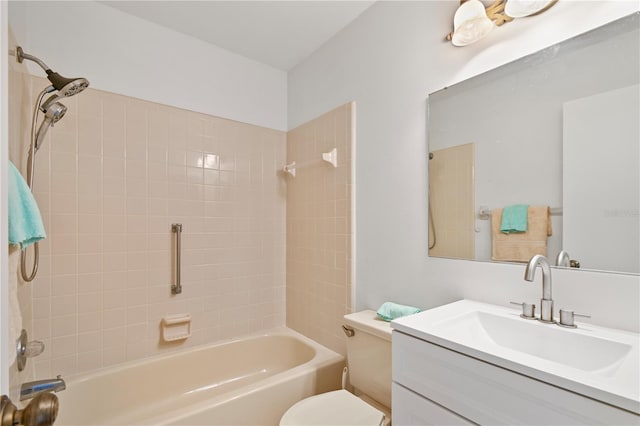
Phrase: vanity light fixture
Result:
[523,8]
[470,23]
[473,21]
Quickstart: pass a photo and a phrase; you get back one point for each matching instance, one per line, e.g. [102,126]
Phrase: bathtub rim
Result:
[276,331]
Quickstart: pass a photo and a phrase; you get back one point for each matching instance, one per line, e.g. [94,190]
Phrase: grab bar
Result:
[177,229]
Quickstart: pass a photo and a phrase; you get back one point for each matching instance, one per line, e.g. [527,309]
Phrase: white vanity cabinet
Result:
[433,385]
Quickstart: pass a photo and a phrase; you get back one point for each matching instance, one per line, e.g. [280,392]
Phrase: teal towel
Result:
[25,223]
[390,311]
[514,218]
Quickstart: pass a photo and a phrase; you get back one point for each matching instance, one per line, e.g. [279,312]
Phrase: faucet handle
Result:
[528,310]
[567,318]
[26,349]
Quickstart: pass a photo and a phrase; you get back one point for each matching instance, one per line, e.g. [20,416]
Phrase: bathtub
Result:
[251,381]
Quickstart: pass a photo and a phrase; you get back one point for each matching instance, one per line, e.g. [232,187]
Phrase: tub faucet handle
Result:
[26,349]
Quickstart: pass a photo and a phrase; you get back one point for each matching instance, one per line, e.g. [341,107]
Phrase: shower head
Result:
[54,112]
[65,86]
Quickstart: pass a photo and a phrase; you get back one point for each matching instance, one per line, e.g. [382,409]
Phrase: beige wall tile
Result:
[318,282]
[114,175]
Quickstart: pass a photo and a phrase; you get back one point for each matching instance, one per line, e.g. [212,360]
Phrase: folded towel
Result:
[25,223]
[521,246]
[514,218]
[390,311]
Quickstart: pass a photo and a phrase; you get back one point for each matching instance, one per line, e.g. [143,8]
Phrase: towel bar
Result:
[484,212]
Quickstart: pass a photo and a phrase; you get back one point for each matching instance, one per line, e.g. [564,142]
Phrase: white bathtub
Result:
[243,382]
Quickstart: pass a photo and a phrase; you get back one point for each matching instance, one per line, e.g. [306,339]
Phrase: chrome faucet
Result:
[546,303]
[563,259]
[31,389]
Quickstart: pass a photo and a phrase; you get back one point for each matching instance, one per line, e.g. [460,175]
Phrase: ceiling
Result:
[277,33]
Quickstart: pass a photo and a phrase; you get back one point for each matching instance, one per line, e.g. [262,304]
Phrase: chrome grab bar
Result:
[177,229]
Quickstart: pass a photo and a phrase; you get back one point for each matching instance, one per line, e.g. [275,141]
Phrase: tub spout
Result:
[31,389]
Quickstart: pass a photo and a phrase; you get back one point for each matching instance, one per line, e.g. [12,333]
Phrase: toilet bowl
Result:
[332,408]
[369,366]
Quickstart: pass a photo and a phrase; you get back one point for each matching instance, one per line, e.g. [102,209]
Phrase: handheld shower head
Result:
[54,112]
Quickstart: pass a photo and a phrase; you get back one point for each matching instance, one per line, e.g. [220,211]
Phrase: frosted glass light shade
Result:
[522,8]
[470,23]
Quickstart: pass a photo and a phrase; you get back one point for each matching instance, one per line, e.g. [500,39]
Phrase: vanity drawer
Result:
[410,409]
[487,394]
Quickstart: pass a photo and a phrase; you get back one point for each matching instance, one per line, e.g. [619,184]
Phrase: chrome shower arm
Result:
[21,56]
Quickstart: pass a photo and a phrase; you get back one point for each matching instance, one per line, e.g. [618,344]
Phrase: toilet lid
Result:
[332,408]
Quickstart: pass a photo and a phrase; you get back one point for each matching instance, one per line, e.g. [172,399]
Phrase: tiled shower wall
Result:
[111,178]
[319,228]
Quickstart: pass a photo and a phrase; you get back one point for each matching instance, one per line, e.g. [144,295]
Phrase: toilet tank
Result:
[369,356]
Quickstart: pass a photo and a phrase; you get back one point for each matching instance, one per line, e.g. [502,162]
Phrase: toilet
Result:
[369,372]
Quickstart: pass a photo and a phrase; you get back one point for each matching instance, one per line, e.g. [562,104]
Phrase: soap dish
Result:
[176,327]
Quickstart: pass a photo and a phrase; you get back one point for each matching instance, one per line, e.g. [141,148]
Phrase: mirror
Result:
[557,129]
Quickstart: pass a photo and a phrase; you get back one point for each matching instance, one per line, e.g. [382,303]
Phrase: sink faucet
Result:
[546,303]
[29,390]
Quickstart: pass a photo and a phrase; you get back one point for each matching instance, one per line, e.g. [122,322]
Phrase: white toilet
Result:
[369,366]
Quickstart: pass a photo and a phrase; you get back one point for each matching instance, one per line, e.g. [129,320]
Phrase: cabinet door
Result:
[411,409]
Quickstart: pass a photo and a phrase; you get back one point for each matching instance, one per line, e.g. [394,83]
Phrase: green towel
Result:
[25,223]
[514,218]
[390,311]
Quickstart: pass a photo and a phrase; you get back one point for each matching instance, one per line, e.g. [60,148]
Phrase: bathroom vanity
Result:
[474,363]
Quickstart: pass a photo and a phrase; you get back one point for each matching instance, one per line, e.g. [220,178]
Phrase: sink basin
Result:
[597,362]
[585,352]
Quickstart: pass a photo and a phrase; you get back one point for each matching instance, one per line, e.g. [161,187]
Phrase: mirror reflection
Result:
[549,143]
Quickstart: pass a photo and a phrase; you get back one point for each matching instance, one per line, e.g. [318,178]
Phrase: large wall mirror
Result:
[557,129]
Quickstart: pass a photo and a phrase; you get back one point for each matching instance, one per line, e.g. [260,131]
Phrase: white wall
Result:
[123,54]
[388,60]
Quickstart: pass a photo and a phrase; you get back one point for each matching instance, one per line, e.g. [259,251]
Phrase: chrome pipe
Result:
[177,229]
[21,56]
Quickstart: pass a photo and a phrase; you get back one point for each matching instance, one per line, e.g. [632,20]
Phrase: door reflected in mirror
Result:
[556,129]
